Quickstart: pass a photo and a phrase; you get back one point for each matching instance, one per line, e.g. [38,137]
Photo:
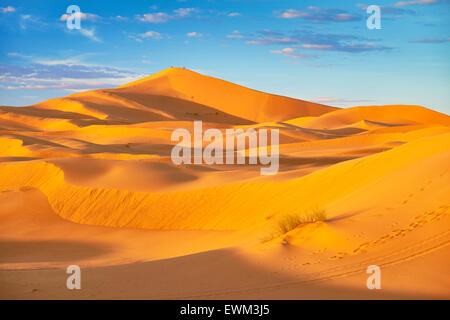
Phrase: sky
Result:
[319,51]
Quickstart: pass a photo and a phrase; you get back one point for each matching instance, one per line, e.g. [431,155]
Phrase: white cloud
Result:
[272,40]
[120,18]
[7,9]
[194,34]
[67,62]
[80,15]
[319,15]
[89,33]
[68,74]
[289,52]
[182,12]
[235,35]
[159,17]
[234,14]
[151,34]
[317,46]
[291,13]
[162,17]
[26,19]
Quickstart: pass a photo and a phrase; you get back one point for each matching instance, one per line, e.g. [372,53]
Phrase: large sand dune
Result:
[87,179]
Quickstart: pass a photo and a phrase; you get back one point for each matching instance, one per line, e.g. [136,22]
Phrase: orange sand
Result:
[88,180]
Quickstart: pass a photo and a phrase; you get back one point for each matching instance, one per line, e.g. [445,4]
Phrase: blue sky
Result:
[314,50]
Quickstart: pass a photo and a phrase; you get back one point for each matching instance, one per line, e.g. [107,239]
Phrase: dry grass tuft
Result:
[292,221]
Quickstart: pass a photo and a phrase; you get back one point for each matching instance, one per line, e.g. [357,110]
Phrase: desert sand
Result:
[88,180]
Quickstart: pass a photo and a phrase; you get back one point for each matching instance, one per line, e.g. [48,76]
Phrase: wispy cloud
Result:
[183,12]
[319,15]
[390,10]
[194,34]
[235,35]
[317,46]
[92,17]
[415,2]
[290,52]
[27,19]
[90,33]
[7,9]
[308,40]
[272,40]
[159,17]
[146,35]
[120,18]
[16,54]
[431,40]
[162,17]
[81,16]
[69,74]
[334,100]
[151,34]
[268,37]
[291,13]
[347,47]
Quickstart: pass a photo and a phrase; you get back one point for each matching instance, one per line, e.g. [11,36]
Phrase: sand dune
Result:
[225,96]
[217,208]
[87,179]
[374,116]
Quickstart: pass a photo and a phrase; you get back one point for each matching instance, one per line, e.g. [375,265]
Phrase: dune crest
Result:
[225,96]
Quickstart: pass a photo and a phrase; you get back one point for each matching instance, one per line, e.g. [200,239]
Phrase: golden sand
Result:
[88,180]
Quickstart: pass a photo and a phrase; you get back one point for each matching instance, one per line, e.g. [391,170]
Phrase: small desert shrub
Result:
[316,214]
[289,222]
[292,221]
